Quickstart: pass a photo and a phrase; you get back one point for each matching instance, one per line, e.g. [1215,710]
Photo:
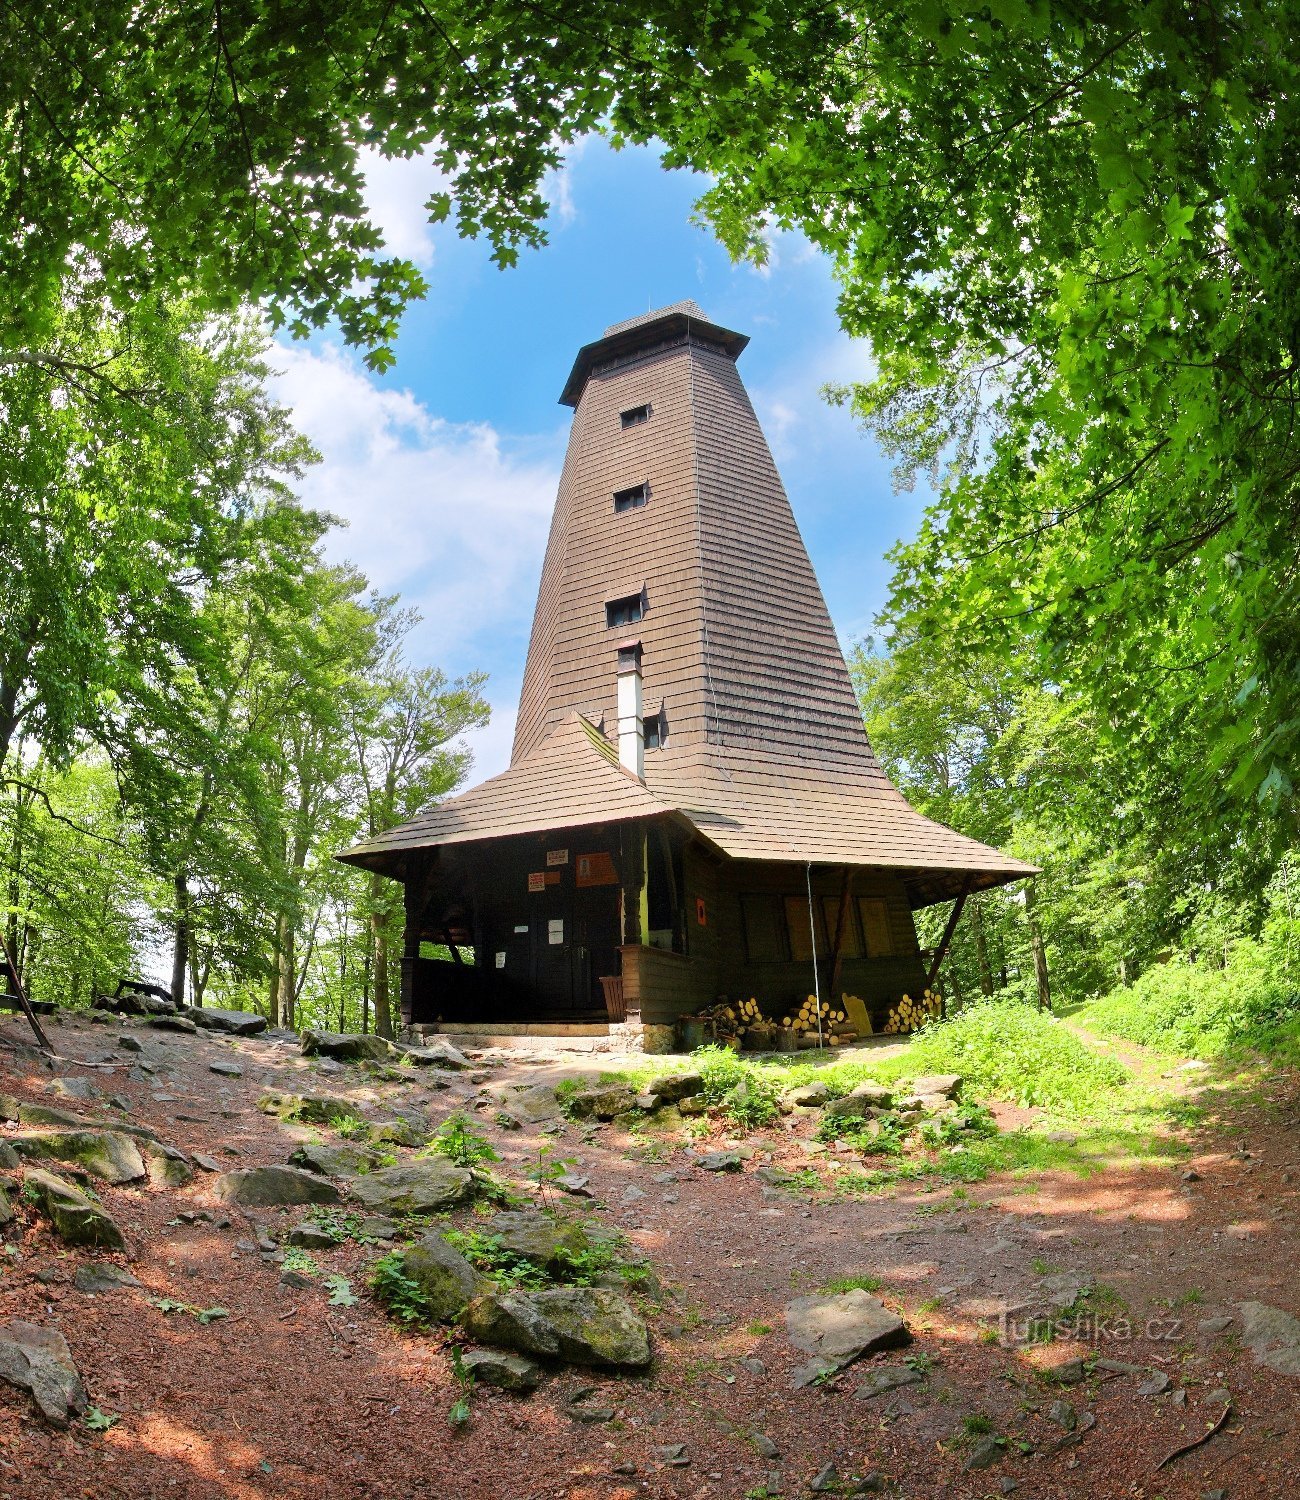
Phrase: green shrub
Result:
[1009,1050]
[461,1143]
[1194,1010]
[401,1295]
[737,1088]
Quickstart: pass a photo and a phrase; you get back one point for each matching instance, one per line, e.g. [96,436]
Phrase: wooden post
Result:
[954,916]
[841,926]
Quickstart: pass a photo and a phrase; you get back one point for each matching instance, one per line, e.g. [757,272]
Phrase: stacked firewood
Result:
[908,1014]
[819,1021]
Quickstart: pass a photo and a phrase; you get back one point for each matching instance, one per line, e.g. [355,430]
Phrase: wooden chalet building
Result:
[689,758]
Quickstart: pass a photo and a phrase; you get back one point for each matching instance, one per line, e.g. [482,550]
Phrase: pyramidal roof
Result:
[764,750]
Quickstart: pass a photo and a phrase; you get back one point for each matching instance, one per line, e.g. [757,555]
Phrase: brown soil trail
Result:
[287,1396]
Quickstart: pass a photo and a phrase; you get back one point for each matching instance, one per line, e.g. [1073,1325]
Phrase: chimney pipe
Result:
[631,720]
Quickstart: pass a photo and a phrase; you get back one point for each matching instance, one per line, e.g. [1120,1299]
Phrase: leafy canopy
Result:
[219,149]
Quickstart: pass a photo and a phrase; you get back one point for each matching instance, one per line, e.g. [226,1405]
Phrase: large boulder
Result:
[38,1360]
[110,1155]
[343,1160]
[308,1109]
[601,1103]
[76,1218]
[579,1324]
[837,1329]
[446,1278]
[345,1046]
[674,1086]
[419,1187]
[266,1187]
[234,1022]
[545,1242]
[435,1054]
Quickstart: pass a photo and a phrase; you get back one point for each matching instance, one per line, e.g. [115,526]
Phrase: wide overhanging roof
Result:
[626,339]
[743,806]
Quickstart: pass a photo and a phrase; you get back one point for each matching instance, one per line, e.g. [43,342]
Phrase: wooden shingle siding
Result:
[766,756]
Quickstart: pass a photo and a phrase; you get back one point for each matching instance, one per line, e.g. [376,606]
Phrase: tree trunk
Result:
[284,964]
[181,945]
[981,948]
[1039,950]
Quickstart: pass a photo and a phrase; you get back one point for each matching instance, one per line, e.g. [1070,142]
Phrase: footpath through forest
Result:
[1056,1326]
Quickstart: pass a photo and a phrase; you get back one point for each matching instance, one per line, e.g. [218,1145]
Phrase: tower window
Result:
[623,611]
[635,416]
[631,499]
[654,731]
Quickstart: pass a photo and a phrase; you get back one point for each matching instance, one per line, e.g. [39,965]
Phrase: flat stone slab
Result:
[837,1329]
[422,1187]
[509,1372]
[436,1054]
[266,1187]
[234,1022]
[97,1277]
[1272,1336]
[534,1106]
[885,1378]
[38,1360]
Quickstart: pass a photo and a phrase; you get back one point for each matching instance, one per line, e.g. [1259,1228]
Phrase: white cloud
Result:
[491,746]
[397,190]
[442,513]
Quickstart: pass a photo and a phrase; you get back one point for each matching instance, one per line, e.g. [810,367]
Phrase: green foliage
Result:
[340,1290]
[736,1088]
[340,1226]
[487,1253]
[1009,1050]
[1204,1011]
[101,1421]
[964,1124]
[202,1315]
[460,1410]
[401,1295]
[853,1284]
[300,1260]
[458,1140]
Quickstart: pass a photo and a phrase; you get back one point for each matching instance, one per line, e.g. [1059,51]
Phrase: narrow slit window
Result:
[630,499]
[654,731]
[635,416]
[623,611]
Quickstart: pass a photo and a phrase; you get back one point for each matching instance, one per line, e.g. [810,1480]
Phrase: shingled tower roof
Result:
[764,750]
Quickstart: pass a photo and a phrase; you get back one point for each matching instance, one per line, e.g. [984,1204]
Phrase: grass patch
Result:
[853,1284]
[1192,1010]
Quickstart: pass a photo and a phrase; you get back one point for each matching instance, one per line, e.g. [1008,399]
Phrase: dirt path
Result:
[289,1397]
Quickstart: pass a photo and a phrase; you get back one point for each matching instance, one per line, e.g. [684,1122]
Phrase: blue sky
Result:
[445,469]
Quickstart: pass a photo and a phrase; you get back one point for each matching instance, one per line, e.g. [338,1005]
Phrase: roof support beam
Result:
[841,927]
[954,916]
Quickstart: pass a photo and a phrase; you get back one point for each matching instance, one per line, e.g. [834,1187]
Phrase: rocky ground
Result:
[684,1311]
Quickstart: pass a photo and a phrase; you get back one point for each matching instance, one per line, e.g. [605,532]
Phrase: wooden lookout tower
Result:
[692,808]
